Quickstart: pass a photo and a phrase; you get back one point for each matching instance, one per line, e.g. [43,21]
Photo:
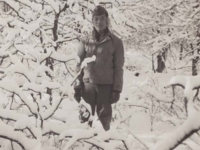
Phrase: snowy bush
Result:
[34,71]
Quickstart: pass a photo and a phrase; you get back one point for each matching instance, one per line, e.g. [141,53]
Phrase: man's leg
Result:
[89,95]
[104,109]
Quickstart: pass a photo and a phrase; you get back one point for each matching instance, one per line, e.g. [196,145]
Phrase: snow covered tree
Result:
[31,75]
[164,27]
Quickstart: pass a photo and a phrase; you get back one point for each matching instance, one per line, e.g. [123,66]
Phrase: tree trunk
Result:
[83,14]
[194,62]
[181,52]
[161,58]
[49,64]
[161,64]
[6,7]
[194,65]
[153,67]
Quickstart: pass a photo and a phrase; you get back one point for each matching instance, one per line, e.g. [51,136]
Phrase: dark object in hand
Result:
[84,114]
[77,95]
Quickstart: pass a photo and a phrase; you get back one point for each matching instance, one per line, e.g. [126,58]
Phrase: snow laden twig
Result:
[53,4]
[15,7]
[192,124]
[96,138]
[94,143]
[64,58]
[9,133]
[49,127]
[69,71]
[100,145]
[195,139]
[76,134]
[50,112]
[129,130]
[83,65]
[115,135]
[5,84]
[26,123]
[58,57]
[11,115]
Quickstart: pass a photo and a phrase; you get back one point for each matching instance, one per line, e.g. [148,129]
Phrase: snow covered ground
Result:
[135,116]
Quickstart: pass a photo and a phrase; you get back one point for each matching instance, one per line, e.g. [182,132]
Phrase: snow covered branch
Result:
[11,115]
[14,6]
[50,111]
[9,133]
[189,83]
[5,84]
[83,65]
[192,124]
[147,147]
[76,135]
[95,138]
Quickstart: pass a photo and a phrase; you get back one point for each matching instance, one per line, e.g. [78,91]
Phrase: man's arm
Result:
[118,66]
[81,53]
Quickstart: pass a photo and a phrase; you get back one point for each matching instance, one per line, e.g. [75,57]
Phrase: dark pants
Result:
[98,96]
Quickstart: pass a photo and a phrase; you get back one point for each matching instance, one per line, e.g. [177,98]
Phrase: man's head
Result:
[100,18]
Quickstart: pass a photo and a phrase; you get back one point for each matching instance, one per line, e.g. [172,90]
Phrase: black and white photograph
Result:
[99,74]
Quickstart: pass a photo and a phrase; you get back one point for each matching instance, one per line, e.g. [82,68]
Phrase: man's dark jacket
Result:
[108,67]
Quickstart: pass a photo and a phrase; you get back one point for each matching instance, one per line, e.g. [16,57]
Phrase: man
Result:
[100,83]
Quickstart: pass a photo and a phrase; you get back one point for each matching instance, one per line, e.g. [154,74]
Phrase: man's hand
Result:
[115,97]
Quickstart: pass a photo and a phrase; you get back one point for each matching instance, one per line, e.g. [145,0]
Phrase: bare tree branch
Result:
[9,138]
[49,116]
[138,139]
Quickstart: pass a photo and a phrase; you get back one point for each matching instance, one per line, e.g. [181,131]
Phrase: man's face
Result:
[100,22]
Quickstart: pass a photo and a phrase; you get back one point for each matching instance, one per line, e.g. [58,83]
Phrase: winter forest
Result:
[159,105]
